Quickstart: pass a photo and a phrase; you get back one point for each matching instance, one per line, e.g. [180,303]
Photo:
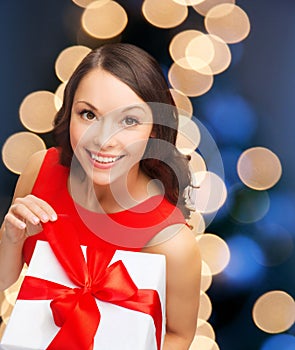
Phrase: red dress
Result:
[126,230]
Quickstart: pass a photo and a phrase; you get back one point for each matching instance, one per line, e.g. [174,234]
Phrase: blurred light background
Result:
[246,104]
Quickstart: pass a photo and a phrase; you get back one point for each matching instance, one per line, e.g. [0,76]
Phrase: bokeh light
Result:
[229,22]
[205,329]
[197,163]
[214,251]
[178,46]
[59,95]
[201,342]
[83,3]
[104,19]
[188,136]
[188,81]
[68,60]
[164,13]
[182,102]
[259,168]
[205,308]
[274,312]
[206,277]
[18,148]
[222,54]
[37,111]
[279,341]
[243,268]
[204,6]
[188,2]
[232,117]
[197,223]
[210,191]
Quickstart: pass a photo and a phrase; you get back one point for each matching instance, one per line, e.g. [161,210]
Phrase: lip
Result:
[108,161]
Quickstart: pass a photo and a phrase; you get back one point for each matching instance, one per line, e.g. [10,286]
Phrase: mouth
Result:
[103,159]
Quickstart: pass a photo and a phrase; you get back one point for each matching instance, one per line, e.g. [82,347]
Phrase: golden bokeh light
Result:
[229,22]
[206,277]
[204,6]
[104,19]
[179,44]
[274,312]
[164,13]
[199,53]
[188,136]
[188,81]
[197,223]
[182,102]
[210,191]
[37,111]
[201,342]
[18,148]
[222,55]
[259,168]
[59,95]
[205,329]
[188,2]
[197,163]
[68,60]
[83,3]
[214,251]
[205,308]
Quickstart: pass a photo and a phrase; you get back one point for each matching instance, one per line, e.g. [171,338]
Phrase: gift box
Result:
[126,313]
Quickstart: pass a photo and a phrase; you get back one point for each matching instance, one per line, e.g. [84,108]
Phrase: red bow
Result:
[75,309]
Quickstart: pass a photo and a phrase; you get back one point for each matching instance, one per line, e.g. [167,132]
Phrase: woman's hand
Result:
[25,217]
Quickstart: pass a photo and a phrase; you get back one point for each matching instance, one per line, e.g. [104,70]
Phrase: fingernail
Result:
[22,225]
[53,217]
[35,220]
[44,217]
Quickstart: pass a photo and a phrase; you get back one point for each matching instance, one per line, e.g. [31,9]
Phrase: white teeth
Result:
[103,159]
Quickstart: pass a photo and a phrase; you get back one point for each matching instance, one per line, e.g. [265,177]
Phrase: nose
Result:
[104,134]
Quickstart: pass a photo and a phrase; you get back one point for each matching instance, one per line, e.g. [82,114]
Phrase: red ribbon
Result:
[74,309]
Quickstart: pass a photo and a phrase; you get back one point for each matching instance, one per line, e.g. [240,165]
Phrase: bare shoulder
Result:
[29,175]
[180,249]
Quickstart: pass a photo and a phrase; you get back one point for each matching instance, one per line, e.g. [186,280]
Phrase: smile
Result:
[104,160]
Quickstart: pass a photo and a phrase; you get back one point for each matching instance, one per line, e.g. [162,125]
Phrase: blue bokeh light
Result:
[279,342]
[243,267]
[231,115]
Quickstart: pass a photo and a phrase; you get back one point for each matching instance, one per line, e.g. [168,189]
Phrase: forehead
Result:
[105,91]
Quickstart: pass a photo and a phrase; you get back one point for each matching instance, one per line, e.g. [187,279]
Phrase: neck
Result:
[120,195]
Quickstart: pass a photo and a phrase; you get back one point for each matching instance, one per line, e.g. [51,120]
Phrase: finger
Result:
[46,208]
[24,213]
[39,208]
[32,230]
[14,222]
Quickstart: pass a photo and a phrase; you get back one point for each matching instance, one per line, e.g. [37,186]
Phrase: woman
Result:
[115,132]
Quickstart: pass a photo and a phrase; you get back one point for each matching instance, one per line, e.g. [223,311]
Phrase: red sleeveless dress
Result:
[126,230]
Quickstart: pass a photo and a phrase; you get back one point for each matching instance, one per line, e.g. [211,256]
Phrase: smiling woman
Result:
[115,180]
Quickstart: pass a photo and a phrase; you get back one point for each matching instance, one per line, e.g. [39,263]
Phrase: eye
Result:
[130,121]
[87,115]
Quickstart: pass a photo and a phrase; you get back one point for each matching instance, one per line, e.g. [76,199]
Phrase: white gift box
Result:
[31,325]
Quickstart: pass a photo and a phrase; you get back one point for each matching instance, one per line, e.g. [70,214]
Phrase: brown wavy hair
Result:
[143,74]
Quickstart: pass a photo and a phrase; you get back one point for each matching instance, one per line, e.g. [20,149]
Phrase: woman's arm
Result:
[24,217]
[182,289]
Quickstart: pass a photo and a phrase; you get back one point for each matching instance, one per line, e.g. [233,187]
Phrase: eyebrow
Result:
[128,108]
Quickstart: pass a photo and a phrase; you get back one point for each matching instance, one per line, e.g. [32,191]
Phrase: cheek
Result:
[75,134]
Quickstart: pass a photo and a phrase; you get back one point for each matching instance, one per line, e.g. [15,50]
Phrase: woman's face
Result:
[109,128]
